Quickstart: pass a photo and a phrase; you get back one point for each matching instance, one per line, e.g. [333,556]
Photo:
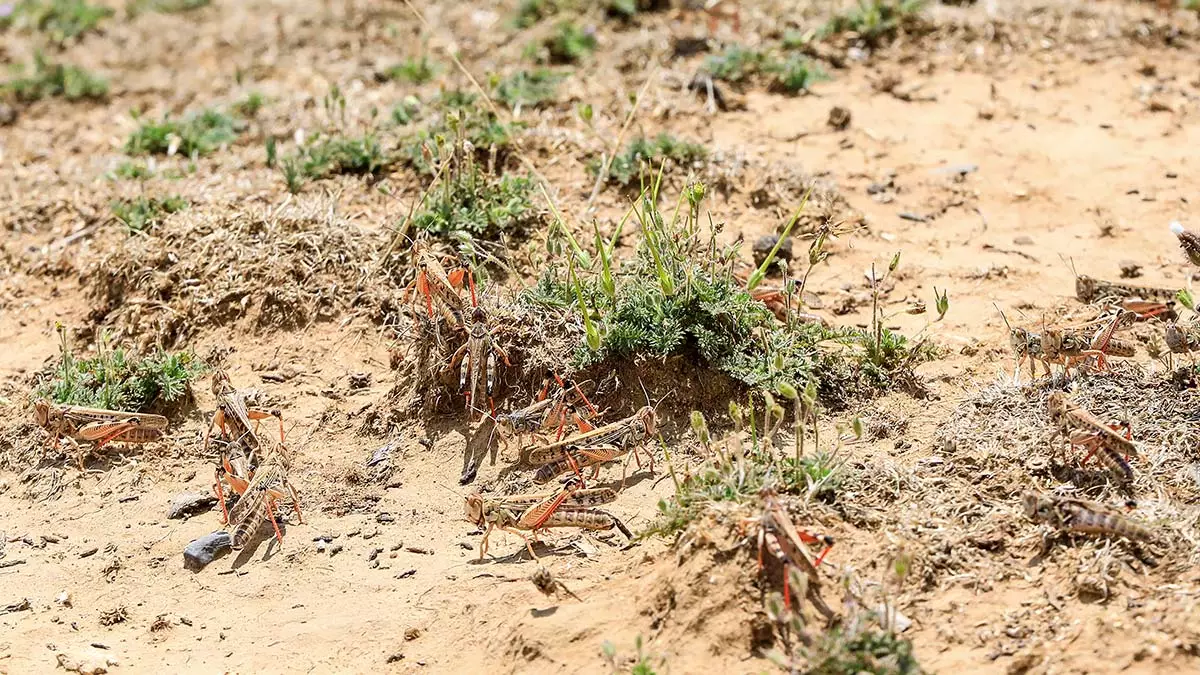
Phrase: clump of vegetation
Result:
[322,157]
[144,213]
[475,205]
[861,648]
[529,12]
[118,380]
[55,79]
[734,64]
[875,22]
[195,135]
[796,74]
[529,88]
[132,171]
[414,70]
[250,106]
[569,44]
[678,296]
[793,74]
[135,7]
[645,153]
[488,137]
[62,20]
[641,664]
[406,111]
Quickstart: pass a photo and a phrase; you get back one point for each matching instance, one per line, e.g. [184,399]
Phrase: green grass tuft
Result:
[643,153]
[529,88]
[569,44]
[55,80]
[195,135]
[875,22]
[250,106]
[476,205]
[136,7]
[118,380]
[796,74]
[144,213]
[323,157]
[413,71]
[735,64]
[490,138]
[406,111]
[62,20]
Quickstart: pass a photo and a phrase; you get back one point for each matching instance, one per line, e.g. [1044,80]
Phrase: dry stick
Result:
[608,159]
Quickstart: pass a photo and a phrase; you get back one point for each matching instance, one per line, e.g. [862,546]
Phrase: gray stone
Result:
[204,550]
[189,504]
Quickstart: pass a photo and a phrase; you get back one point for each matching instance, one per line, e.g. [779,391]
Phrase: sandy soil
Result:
[1073,125]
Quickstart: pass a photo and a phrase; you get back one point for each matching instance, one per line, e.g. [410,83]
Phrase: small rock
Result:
[393,658]
[412,634]
[189,504]
[8,114]
[385,517]
[986,111]
[359,381]
[204,550]
[763,245]
[374,553]
[839,117]
[1130,269]
[335,549]
[1023,240]
[63,598]
[90,552]
[321,546]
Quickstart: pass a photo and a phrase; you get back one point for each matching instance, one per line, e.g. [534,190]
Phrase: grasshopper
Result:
[1189,241]
[1027,345]
[1082,428]
[595,447]
[1183,339]
[789,544]
[478,358]
[233,418]
[554,405]
[572,506]
[97,425]
[1145,301]
[267,485]
[1068,345]
[1077,515]
[434,282]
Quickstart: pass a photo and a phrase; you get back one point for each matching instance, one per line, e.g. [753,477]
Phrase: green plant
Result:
[875,21]
[322,157]
[54,79]
[489,137]
[132,171]
[406,111]
[144,213]
[415,70]
[61,19]
[472,204]
[796,74]
[642,664]
[529,88]
[569,43]
[529,12]
[194,135]
[857,645]
[735,64]
[135,7]
[643,153]
[249,106]
[119,380]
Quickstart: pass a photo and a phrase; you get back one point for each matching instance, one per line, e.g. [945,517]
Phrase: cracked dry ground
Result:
[1068,131]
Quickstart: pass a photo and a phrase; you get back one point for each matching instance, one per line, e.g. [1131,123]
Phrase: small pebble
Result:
[204,550]
[335,549]
[839,117]
[189,504]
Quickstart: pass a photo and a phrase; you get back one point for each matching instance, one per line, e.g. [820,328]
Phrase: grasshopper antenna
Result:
[1004,318]
[449,489]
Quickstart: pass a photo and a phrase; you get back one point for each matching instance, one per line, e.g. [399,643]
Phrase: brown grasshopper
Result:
[268,484]
[1027,345]
[433,282]
[790,545]
[595,447]
[1145,301]
[555,405]
[1183,339]
[1077,515]
[572,506]
[478,358]
[233,418]
[1189,241]
[1082,428]
[97,425]
[1069,345]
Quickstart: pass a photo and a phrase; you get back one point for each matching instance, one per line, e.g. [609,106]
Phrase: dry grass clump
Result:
[281,268]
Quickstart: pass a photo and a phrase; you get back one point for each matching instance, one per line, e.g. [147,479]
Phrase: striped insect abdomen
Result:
[1091,522]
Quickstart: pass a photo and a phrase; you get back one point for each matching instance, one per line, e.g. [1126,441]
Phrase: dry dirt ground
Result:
[1077,121]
